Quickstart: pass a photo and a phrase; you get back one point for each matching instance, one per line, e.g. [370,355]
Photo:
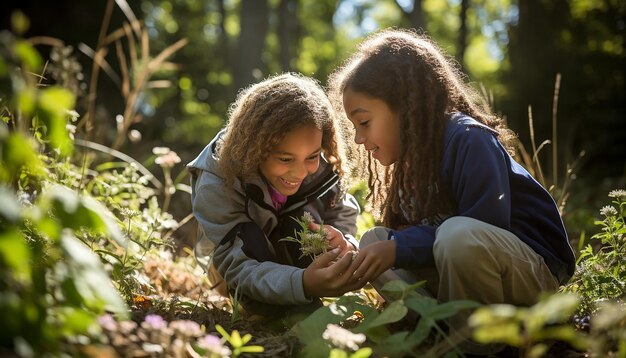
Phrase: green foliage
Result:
[56,227]
[532,329]
[407,304]
[237,342]
[601,275]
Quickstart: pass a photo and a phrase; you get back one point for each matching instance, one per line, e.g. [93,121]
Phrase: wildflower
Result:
[107,322]
[134,135]
[312,243]
[186,328]
[618,193]
[167,160]
[608,211]
[213,346]
[154,321]
[342,338]
[72,114]
[160,150]
[71,130]
[307,217]
[129,213]
[126,327]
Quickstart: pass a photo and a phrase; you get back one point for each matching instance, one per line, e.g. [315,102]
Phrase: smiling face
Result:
[295,157]
[377,126]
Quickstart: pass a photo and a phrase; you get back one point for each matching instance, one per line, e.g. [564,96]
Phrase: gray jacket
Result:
[239,228]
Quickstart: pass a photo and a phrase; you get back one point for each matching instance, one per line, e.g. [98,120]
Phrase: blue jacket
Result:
[490,186]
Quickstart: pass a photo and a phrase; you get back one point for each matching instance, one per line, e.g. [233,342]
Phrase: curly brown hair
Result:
[411,74]
[264,113]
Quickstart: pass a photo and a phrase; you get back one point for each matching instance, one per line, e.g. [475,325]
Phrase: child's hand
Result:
[372,260]
[335,238]
[325,278]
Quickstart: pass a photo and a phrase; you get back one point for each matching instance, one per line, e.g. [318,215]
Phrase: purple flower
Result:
[154,321]
[107,322]
[213,346]
[186,328]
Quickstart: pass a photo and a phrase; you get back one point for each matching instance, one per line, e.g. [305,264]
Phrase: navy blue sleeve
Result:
[475,171]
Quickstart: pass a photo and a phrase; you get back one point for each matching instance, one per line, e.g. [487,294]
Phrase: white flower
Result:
[608,211]
[160,150]
[167,160]
[618,193]
[342,338]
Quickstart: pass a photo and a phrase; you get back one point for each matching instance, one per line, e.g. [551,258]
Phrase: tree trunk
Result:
[460,54]
[287,27]
[415,16]
[248,63]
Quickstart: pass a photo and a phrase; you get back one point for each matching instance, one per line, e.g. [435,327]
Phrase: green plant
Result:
[237,342]
[601,275]
[531,329]
[426,339]
[52,287]
[312,243]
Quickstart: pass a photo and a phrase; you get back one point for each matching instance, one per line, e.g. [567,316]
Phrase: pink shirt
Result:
[278,199]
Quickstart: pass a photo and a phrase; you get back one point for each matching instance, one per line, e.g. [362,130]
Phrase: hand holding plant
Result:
[334,238]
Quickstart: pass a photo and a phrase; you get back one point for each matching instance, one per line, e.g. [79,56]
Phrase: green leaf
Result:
[53,104]
[362,353]
[449,309]
[77,212]
[392,313]
[73,321]
[421,304]
[554,309]
[15,253]
[19,22]
[90,278]
[337,353]
[19,155]
[395,345]
[28,56]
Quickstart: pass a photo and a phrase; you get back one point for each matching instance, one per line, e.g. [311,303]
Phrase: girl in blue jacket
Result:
[457,209]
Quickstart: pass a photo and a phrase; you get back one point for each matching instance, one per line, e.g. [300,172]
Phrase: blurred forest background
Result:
[513,49]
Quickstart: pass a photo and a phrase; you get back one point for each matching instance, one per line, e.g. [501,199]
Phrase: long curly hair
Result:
[411,74]
[264,113]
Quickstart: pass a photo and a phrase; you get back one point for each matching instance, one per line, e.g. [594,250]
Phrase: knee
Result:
[457,237]
[375,234]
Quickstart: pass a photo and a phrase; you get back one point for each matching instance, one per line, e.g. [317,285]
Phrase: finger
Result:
[314,226]
[326,258]
[340,268]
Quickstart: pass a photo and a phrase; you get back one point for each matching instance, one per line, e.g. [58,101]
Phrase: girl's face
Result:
[295,157]
[377,126]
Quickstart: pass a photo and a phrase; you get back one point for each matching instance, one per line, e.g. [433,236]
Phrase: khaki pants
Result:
[475,261]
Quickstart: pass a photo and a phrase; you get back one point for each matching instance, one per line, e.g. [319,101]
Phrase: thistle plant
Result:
[312,243]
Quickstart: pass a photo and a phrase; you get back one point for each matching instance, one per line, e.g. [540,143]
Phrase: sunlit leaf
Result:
[392,313]
[15,253]
[28,56]
[90,278]
[53,104]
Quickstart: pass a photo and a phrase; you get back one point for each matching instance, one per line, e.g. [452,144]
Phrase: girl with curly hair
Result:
[457,209]
[279,155]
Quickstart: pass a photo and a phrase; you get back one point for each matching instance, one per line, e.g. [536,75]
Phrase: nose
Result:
[358,138]
[300,171]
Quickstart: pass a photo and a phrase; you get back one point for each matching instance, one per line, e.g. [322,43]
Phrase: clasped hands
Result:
[339,271]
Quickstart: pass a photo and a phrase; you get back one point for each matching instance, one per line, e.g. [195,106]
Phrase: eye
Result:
[284,160]
[313,157]
[364,123]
